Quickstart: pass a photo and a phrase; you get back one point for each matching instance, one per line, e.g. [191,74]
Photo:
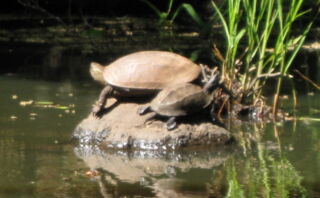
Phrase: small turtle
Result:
[183,99]
[141,74]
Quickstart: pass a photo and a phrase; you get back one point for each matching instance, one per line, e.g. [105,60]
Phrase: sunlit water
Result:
[36,157]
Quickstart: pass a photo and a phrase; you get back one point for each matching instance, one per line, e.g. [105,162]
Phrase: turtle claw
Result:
[96,115]
[143,110]
[97,111]
[171,123]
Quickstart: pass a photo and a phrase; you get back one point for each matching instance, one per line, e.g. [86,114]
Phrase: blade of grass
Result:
[190,11]
[153,7]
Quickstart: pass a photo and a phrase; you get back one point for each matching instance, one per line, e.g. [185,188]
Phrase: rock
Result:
[123,128]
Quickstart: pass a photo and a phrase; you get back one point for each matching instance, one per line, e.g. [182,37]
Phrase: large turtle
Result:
[140,74]
[183,99]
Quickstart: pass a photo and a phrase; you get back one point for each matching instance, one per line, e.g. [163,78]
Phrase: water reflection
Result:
[275,160]
[152,173]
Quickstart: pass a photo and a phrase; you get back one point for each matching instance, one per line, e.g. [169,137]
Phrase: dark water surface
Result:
[37,118]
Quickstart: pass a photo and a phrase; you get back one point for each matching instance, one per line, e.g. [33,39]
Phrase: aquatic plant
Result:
[170,15]
[260,43]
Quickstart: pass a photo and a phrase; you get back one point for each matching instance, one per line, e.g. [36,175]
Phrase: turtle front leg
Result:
[171,123]
[99,106]
[143,110]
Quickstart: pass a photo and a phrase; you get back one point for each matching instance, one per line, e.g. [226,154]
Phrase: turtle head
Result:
[213,83]
[96,71]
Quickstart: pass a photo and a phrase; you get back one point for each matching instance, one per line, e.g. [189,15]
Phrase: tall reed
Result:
[263,32]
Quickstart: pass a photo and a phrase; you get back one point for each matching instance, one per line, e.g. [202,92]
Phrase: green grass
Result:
[170,15]
[260,43]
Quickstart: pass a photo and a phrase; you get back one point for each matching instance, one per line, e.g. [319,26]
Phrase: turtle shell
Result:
[180,100]
[151,70]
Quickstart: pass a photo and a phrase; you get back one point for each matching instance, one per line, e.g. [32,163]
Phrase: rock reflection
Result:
[150,173]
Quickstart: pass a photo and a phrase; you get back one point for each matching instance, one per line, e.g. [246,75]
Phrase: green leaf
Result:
[240,35]
[224,23]
[153,7]
[193,14]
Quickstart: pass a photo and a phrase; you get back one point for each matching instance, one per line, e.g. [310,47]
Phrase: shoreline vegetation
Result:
[259,25]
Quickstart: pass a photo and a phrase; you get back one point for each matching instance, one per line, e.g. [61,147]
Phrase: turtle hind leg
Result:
[143,110]
[212,113]
[151,117]
[171,123]
[98,108]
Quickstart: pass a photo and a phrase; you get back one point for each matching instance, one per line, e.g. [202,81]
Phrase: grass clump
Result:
[260,43]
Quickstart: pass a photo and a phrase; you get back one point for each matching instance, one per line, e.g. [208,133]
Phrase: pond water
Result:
[37,159]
